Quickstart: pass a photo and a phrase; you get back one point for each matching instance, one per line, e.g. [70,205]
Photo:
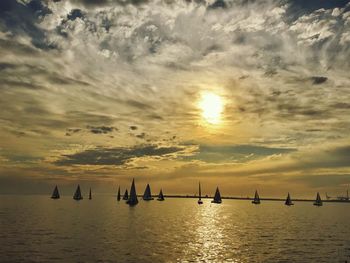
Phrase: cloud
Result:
[83,68]
[318,80]
[117,156]
[101,129]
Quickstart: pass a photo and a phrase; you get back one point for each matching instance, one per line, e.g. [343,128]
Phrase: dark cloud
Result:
[75,13]
[299,8]
[21,19]
[213,153]
[218,4]
[101,129]
[141,135]
[4,66]
[116,156]
[71,131]
[318,80]
[94,3]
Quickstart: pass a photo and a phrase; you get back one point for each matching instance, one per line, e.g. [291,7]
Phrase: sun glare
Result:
[212,106]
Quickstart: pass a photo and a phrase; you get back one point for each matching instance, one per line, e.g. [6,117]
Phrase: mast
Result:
[90,196]
[200,194]
[133,196]
[118,195]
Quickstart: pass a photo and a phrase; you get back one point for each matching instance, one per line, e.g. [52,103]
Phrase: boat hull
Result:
[216,202]
[256,202]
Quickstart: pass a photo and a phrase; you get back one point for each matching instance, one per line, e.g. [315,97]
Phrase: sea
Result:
[35,228]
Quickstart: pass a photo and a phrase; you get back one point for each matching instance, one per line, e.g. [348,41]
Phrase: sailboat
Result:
[90,196]
[55,193]
[256,200]
[318,201]
[118,195]
[147,196]
[288,201]
[200,195]
[126,195]
[217,197]
[160,196]
[133,197]
[77,195]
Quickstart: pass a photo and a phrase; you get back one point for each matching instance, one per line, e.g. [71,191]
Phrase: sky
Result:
[239,94]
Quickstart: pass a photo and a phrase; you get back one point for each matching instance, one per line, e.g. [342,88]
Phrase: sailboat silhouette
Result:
[200,194]
[126,195]
[55,193]
[147,196]
[133,196]
[288,201]
[256,200]
[217,197]
[160,196]
[77,195]
[90,196]
[118,194]
[318,201]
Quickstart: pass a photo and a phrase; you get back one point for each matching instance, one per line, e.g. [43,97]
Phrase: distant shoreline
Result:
[249,198]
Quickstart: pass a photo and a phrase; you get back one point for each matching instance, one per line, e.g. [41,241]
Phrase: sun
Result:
[211,106]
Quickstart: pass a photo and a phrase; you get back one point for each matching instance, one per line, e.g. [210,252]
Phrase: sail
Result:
[55,193]
[118,195]
[133,196]
[126,195]
[77,194]
[160,196]
[256,198]
[147,194]
[90,196]
[288,200]
[318,201]
[217,197]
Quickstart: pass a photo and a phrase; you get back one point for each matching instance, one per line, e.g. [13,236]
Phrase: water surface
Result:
[38,229]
